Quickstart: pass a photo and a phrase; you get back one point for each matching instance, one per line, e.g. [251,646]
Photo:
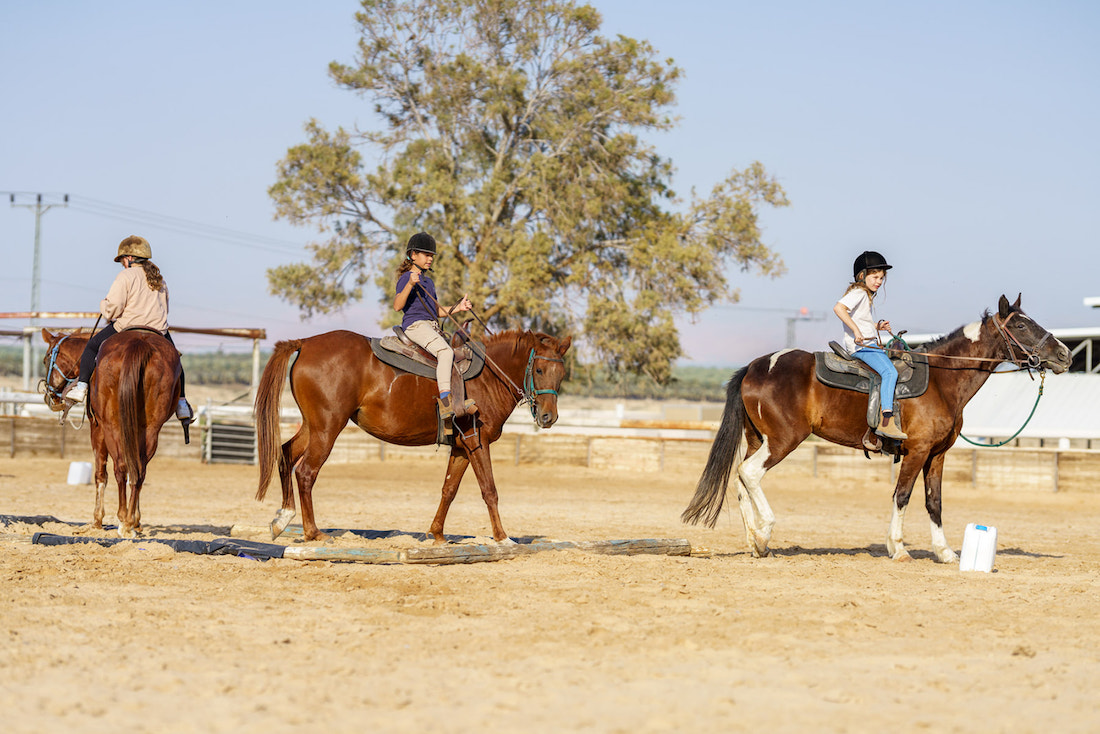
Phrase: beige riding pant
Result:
[427,334]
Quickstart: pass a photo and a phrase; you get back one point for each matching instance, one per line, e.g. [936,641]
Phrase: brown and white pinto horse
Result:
[775,403]
[134,390]
[337,378]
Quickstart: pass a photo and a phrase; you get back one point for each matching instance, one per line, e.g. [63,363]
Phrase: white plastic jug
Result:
[979,548]
[80,472]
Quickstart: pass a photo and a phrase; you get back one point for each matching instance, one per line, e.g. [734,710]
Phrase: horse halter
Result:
[529,391]
[1033,361]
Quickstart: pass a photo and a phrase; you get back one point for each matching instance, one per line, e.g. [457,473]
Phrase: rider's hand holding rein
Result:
[462,305]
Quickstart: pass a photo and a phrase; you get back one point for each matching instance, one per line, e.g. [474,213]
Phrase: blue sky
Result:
[957,138]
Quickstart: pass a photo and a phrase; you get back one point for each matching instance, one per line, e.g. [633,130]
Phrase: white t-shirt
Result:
[860,308]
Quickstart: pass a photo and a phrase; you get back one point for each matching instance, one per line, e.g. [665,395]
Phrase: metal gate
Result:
[229,435]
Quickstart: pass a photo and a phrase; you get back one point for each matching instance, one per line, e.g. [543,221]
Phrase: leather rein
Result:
[1029,361]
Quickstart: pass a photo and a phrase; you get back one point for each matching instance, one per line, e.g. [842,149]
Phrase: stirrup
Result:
[184,411]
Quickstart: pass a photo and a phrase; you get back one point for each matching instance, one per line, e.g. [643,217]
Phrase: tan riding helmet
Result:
[135,247]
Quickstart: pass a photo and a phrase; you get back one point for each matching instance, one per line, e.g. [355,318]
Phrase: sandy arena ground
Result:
[827,635]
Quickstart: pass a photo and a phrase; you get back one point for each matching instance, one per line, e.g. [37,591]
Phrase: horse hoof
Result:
[281,522]
[507,541]
[948,556]
[902,557]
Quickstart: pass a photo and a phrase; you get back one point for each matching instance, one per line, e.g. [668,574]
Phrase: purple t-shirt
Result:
[418,307]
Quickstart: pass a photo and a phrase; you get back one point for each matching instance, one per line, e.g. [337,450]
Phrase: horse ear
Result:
[1003,307]
[47,336]
[563,346]
[1017,304]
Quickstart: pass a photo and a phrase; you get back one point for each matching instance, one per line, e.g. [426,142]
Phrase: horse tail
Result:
[710,493]
[131,408]
[268,395]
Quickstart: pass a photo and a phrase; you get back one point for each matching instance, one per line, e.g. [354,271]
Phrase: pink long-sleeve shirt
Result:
[131,302]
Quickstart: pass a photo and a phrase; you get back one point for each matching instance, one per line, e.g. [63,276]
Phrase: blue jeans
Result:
[877,360]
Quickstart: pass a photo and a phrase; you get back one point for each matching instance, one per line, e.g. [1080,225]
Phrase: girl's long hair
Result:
[152,274]
[861,283]
[405,266]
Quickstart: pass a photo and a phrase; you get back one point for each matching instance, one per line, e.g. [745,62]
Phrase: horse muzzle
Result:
[546,416]
[1058,359]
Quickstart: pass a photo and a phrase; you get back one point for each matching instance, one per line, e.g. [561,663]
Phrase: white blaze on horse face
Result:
[973,331]
[775,358]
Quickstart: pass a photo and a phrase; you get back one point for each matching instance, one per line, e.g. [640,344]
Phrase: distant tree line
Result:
[687,383]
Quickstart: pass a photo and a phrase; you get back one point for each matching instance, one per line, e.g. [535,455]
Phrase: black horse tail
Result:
[710,493]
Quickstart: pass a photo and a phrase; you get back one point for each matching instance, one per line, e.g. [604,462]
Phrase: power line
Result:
[122,212]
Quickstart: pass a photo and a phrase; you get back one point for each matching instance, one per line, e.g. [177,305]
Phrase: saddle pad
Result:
[399,355]
[850,374]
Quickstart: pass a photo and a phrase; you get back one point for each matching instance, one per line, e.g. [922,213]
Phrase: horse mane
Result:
[521,340]
[944,341]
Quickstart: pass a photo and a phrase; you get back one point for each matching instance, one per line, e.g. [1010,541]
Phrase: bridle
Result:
[529,392]
[1032,361]
[54,394]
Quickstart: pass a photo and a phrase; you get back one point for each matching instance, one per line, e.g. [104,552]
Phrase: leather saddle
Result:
[402,353]
[841,370]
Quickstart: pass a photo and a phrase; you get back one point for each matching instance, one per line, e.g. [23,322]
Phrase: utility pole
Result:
[30,371]
[803,315]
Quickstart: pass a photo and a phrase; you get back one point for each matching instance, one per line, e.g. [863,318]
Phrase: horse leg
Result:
[122,480]
[456,467]
[907,477]
[483,470]
[135,504]
[320,446]
[750,474]
[292,451]
[99,454]
[933,478]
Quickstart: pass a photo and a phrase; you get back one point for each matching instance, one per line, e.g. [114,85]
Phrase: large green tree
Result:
[512,130]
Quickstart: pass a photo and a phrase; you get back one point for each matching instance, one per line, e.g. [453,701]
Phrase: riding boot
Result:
[446,410]
[889,428]
[77,392]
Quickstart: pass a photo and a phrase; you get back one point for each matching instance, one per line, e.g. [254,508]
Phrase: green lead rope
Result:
[1042,379]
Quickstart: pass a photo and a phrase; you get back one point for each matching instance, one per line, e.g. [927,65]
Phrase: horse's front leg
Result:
[933,483]
[456,467]
[907,477]
[483,470]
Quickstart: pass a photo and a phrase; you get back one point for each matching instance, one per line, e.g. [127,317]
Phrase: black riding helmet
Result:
[868,260]
[421,242]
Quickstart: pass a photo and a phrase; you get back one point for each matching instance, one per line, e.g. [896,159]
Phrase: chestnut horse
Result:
[775,403]
[337,378]
[134,390]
